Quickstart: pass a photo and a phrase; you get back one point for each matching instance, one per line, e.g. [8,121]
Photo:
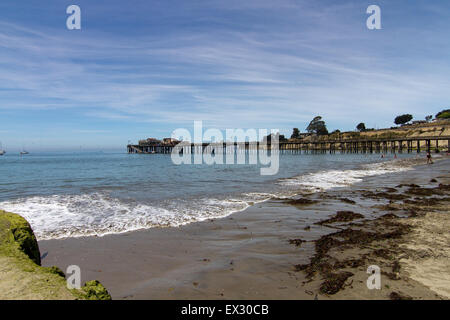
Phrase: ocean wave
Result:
[325,180]
[97,214]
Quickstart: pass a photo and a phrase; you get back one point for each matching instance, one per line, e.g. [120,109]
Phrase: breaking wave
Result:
[97,214]
[324,180]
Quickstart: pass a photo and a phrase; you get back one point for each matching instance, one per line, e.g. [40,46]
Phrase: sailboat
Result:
[23,152]
[2,152]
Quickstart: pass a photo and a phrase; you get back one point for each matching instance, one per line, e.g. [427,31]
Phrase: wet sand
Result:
[256,253]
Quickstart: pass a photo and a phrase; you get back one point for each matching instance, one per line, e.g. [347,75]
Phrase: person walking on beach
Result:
[429,160]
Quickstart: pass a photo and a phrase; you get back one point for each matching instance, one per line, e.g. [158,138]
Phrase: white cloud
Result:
[264,76]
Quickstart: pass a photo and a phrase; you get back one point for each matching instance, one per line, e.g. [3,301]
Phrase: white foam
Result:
[61,216]
[324,180]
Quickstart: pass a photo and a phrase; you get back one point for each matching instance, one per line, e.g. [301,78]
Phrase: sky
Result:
[143,68]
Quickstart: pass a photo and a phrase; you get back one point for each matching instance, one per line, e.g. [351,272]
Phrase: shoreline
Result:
[246,255]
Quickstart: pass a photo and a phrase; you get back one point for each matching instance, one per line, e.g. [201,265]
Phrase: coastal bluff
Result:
[21,275]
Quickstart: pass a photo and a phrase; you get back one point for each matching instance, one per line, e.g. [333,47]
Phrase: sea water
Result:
[86,194]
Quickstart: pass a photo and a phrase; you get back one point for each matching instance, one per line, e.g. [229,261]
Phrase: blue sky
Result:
[144,68]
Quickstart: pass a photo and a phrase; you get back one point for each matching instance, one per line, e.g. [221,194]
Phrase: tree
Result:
[268,138]
[317,125]
[404,118]
[361,127]
[444,114]
[428,118]
[295,134]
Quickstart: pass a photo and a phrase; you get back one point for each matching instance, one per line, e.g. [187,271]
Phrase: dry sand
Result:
[429,262]
[249,255]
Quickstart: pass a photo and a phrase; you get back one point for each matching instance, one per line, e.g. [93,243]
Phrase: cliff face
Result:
[438,128]
[22,277]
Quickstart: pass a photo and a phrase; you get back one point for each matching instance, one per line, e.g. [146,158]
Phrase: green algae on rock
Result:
[94,290]
[16,233]
[21,275]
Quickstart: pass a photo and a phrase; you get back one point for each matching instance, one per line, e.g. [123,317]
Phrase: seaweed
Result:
[296,242]
[399,296]
[342,216]
[334,282]
[346,200]
[300,201]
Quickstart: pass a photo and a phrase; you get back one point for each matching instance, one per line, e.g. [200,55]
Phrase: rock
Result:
[20,260]
[17,232]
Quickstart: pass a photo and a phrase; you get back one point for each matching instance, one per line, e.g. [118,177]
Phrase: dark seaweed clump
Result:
[296,242]
[398,296]
[300,201]
[334,282]
[346,200]
[342,216]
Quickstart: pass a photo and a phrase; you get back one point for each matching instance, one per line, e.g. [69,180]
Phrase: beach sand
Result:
[265,252]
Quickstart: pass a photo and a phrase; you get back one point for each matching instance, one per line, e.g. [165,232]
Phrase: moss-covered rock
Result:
[17,234]
[94,290]
[56,270]
[22,277]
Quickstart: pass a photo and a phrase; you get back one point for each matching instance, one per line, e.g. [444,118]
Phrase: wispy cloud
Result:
[246,64]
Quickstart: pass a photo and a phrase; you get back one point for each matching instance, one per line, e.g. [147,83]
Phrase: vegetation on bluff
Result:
[404,118]
[444,114]
[317,128]
[361,127]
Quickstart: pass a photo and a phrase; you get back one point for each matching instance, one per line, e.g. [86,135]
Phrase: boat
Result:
[23,152]
[2,152]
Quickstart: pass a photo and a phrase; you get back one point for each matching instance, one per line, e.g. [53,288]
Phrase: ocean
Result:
[93,194]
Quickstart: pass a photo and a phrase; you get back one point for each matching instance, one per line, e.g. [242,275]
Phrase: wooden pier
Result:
[376,145]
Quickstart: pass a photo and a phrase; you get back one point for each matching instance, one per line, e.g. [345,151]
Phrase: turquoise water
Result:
[77,194]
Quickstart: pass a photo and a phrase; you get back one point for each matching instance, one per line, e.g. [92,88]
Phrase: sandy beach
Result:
[282,249]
